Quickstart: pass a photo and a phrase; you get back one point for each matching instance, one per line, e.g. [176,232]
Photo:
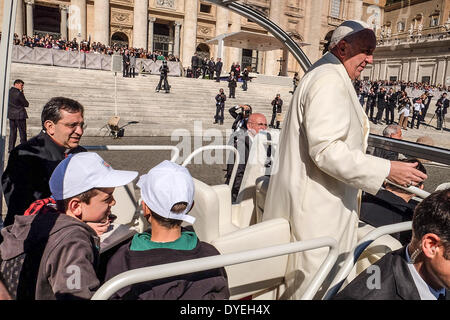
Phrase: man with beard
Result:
[31,164]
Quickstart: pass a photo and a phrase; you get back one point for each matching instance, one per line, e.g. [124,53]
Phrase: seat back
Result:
[257,167]
[257,276]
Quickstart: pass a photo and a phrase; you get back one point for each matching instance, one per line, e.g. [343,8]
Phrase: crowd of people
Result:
[411,100]
[49,42]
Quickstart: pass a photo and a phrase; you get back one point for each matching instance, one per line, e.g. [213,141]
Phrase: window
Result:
[335,8]
[400,26]
[205,8]
[434,21]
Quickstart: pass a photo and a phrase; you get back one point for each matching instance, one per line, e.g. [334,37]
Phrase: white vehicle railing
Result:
[357,251]
[175,150]
[216,147]
[421,194]
[173,269]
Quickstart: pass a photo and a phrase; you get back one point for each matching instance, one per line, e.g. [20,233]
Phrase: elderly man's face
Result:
[358,53]
[256,122]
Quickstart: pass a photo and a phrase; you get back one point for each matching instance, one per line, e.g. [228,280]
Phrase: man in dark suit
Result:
[277,103]
[17,114]
[391,205]
[126,63]
[218,67]
[418,271]
[381,104]
[242,141]
[211,67]
[441,110]
[241,117]
[195,64]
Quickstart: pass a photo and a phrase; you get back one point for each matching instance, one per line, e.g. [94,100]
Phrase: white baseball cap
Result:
[347,28]
[83,171]
[165,185]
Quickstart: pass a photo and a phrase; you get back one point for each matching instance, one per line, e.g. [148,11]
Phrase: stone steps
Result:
[158,113]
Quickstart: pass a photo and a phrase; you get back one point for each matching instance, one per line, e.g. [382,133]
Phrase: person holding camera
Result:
[276,109]
[241,117]
[232,83]
[441,110]
[220,106]
[164,69]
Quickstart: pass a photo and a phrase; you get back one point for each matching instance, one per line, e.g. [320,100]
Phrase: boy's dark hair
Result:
[52,109]
[419,167]
[18,81]
[85,197]
[171,223]
[432,215]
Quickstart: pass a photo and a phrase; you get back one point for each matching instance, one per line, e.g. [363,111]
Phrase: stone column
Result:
[272,67]
[140,24]
[77,19]
[312,31]
[176,47]
[18,28]
[101,21]
[63,9]
[221,28]
[234,54]
[189,31]
[30,25]
[151,23]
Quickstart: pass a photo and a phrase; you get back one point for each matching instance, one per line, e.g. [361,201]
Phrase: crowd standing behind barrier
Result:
[93,55]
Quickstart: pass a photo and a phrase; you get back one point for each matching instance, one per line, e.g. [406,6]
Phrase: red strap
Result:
[37,206]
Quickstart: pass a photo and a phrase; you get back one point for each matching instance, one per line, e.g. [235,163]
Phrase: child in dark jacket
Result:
[168,196]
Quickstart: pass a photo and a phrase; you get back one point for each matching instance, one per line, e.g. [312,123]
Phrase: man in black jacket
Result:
[17,114]
[441,110]
[218,68]
[240,117]
[31,164]
[277,103]
[389,206]
[418,271]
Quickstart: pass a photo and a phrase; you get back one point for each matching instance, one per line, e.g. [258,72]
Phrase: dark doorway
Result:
[249,61]
[203,50]
[120,39]
[162,41]
[47,20]
[393,78]
[426,79]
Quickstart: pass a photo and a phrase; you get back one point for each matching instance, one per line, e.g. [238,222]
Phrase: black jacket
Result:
[204,285]
[26,177]
[396,282]
[238,118]
[276,105]
[218,66]
[387,208]
[17,104]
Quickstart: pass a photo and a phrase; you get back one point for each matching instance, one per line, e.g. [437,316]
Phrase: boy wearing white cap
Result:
[168,196]
[52,253]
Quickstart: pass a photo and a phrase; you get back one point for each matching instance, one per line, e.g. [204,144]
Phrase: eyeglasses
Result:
[260,124]
[82,125]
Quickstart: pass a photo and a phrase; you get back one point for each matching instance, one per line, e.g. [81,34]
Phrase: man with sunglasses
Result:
[31,164]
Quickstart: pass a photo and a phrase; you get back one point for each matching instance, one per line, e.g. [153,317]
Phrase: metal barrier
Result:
[343,273]
[175,150]
[219,147]
[177,268]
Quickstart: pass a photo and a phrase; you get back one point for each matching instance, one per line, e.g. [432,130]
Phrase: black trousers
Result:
[390,112]
[219,113]
[232,92]
[218,75]
[440,120]
[125,70]
[274,115]
[15,124]
[132,72]
[379,113]
[166,83]
[416,116]
[369,109]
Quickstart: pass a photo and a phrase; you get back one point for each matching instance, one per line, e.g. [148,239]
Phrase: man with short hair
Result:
[31,164]
[393,131]
[218,68]
[277,104]
[391,205]
[242,141]
[441,110]
[17,114]
[322,163]
[167,192]
[60,250]
[419,270]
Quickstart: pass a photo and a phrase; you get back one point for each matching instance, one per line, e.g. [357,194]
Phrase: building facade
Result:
[182,27]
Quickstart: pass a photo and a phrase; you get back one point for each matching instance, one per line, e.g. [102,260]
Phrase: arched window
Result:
[203,50]
[119,38]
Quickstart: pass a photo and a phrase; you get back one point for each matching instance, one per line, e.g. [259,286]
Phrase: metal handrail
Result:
[411,189]
[195,265]
[214,147]
[175,150]
[348,264]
